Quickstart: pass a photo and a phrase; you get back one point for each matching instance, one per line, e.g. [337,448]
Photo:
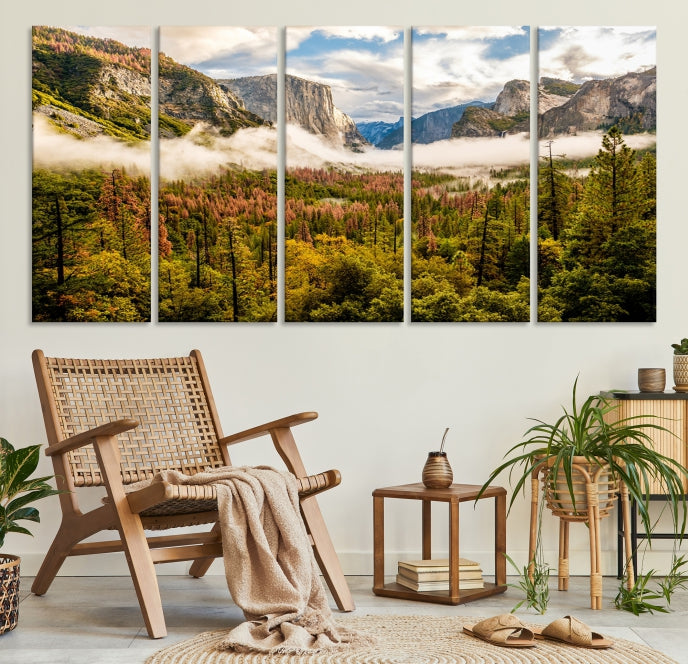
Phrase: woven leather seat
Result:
[200,502]
[113,423]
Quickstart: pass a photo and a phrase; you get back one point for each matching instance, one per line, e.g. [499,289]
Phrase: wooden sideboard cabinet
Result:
[671,411]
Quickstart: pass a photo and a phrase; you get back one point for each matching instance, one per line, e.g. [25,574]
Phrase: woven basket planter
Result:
[9,592]
[585,477]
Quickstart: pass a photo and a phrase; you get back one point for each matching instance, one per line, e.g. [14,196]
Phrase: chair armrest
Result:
[86,437]
[264,429]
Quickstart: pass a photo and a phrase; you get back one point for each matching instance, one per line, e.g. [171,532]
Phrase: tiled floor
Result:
[96,620]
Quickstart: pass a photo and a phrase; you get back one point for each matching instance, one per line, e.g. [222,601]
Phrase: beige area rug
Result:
[414,640]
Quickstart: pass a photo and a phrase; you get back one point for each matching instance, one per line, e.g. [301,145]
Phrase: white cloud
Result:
[58,151]
[582,53]
[589,143]
[456,65]
[296,35]
[471,33]
[308,150]
[365,68]
[252,148]
[220,50]
[464,155]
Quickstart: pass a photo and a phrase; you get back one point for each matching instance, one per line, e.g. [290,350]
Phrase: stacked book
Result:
[423,575]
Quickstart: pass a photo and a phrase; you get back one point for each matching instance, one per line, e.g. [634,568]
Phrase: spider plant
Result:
[592,430]
[533,578]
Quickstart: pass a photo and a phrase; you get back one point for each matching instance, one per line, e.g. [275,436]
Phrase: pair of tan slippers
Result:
[508,631]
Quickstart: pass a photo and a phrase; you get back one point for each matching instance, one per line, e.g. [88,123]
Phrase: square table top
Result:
[454,493]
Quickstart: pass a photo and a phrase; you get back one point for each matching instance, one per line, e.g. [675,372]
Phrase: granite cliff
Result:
[307,104]
[187,97]
[629,101]
[510,114]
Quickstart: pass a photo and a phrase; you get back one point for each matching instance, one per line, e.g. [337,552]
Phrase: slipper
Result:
[574,632]
[503,630]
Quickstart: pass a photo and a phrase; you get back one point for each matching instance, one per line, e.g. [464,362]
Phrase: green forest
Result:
[344,246]
[470,259]
[597,235]
[91,246]
[217,248]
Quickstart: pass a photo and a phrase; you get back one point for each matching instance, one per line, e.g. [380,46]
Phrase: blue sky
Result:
[454,65]
[364,66]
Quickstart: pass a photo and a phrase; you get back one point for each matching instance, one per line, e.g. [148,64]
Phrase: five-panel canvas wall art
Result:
[199,126]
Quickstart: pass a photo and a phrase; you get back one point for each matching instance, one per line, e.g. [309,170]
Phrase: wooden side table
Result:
[454,495]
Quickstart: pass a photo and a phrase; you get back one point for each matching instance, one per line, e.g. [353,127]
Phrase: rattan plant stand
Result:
[594,496]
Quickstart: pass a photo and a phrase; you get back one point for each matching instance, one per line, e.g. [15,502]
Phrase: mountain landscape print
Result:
[597,121]
[91,200]
[344,185]
[217,239]
[471,174]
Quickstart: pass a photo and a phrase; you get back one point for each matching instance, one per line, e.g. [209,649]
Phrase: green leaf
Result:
[18,491]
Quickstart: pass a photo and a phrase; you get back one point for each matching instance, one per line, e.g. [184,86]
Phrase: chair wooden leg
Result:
[133,539]
[57,554]
[326,555]
[73,529]
[200,566]
[144,577]
[323,548]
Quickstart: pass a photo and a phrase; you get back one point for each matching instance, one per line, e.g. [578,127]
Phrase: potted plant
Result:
[589,438]
[681,366]
[17,493]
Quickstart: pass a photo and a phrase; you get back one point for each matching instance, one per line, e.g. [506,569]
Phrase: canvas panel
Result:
[597,122]
[344,174]
[91,200]
[471,174]
[217,242]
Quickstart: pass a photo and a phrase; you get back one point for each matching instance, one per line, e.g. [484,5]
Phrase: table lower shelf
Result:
[438,596]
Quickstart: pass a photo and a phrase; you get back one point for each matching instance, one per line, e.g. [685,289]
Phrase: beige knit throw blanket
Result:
[269,563]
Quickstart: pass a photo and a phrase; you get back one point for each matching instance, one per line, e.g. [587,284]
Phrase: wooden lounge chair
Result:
[114,422]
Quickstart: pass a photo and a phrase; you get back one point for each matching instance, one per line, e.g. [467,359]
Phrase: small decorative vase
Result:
[437,473]
[681,373]
[651,380]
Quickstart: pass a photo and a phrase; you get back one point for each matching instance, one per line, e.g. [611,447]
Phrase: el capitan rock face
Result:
[308,105]
[629,101]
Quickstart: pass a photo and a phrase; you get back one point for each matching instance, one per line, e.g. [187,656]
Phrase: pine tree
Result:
[553,195]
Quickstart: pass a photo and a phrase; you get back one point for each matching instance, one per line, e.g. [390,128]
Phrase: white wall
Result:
[384,392]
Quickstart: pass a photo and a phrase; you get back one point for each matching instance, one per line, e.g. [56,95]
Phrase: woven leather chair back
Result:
[167,396]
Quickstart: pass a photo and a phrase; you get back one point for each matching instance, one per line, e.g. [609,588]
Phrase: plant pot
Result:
[558,496]
[9,592]
[681,373]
